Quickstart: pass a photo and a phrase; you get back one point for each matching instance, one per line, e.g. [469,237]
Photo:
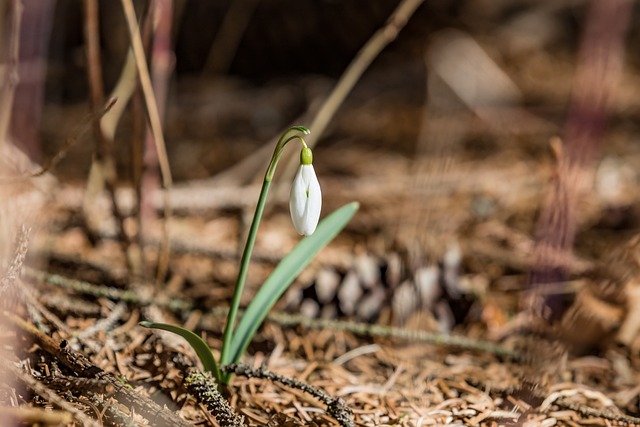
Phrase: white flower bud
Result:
[305,202]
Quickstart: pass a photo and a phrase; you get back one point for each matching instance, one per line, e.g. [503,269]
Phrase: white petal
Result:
[297,200]
[305,202]
[314,203]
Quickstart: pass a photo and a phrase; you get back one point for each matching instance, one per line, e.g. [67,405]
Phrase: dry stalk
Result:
[143,151]
[385,35]
[161,14]
[10,76]
[103,170]
[359,64]
[156,128]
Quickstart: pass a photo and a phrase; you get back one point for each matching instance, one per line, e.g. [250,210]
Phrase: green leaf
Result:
[202,349]
[284,274]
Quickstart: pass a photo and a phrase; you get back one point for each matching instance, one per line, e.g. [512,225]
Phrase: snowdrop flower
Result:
[306,199]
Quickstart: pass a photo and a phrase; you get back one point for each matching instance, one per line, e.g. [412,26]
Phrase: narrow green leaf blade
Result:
[202,349]
[284,274]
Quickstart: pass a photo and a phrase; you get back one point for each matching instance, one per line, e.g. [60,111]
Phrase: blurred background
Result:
[244,69]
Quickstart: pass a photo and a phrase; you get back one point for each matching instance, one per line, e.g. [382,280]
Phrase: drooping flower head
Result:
[305,202]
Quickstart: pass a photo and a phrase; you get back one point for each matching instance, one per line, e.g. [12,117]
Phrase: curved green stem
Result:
[282,142]
[242,274]
[251,239]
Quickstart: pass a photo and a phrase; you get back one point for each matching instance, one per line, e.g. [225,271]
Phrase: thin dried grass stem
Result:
[156,129]
[103,168]
[385,35]
[359,64]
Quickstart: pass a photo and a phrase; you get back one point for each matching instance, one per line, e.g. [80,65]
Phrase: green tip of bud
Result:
[306,156]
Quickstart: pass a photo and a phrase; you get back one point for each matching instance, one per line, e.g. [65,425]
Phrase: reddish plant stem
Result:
[29,93]
[9,56]
[598,71]
[138,144]
[104,153]
[162,62]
